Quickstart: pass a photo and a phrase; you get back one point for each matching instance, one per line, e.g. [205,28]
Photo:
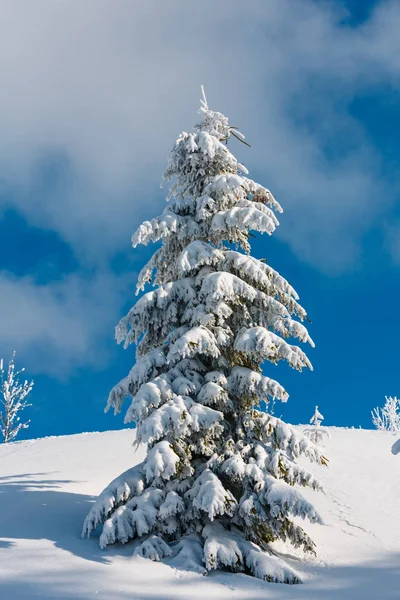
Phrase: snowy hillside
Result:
[47,485]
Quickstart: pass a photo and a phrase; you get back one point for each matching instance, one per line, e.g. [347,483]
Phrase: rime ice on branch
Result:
[12,401]
[220,477]
[388,417]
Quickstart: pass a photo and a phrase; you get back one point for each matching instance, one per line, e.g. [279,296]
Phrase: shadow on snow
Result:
[33,507]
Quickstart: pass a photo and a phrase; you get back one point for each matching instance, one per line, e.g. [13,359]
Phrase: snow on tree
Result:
[13,400]
[316,433]
[219,483]
[388,417]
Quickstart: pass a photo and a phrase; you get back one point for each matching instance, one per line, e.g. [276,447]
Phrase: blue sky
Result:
[97,92]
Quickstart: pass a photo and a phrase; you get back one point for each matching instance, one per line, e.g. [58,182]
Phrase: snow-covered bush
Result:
[316,433]
[388,417]
[12,401]
[219,483]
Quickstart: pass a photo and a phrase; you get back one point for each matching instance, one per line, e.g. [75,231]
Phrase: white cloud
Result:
[95,92]
[59,326]
[110,84]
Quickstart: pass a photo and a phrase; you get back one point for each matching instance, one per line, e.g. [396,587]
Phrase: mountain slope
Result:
[46,487]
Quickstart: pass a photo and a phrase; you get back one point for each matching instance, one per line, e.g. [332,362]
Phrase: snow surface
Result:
[47,485]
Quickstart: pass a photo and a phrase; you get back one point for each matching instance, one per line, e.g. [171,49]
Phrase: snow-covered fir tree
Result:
[316,433]
[219,483]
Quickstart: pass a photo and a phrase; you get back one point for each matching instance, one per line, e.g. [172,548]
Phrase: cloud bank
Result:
[95,93]
[59,326]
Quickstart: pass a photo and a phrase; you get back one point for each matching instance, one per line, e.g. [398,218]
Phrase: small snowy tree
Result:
[316,433]
[388,417]
[218,485]
[13,400]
